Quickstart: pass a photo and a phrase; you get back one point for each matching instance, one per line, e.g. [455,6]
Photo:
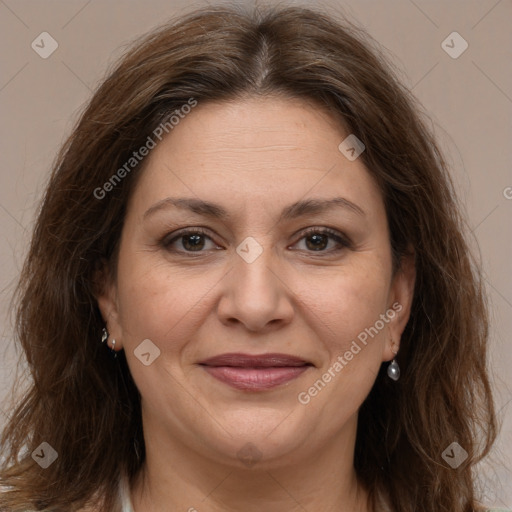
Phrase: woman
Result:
[254,219]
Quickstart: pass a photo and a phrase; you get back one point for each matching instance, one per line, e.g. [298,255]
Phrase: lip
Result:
[254,361]
[255,372]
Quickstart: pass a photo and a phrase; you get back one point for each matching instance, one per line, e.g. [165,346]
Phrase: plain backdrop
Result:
[468,98]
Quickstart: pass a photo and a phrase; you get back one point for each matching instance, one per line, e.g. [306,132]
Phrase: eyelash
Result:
[342,241]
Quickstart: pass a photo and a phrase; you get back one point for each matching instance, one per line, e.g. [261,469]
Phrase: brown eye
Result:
[323,240]
[189,241]
[192,242]
[317,242]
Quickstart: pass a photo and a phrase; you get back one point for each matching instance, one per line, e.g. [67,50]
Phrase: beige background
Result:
[469,100]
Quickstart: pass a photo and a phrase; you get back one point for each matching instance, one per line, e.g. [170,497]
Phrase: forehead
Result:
[260,129]
[255,151]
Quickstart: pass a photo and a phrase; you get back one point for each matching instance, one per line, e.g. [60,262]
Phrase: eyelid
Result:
[193,230]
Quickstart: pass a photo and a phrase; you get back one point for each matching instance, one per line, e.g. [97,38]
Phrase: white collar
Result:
[124,495]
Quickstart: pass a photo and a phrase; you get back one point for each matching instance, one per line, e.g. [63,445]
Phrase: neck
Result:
[175,477]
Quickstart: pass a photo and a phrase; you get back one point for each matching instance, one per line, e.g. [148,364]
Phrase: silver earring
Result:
[394,369]
[104,338]
[113,353]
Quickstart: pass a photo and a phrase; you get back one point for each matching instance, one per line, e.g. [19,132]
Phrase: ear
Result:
[105,292]
[400,301]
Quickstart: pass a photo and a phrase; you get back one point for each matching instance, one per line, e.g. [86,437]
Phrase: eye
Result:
[190,240]
[196,240]
[320,239]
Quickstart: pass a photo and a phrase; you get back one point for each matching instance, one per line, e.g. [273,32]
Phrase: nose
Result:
[256,294]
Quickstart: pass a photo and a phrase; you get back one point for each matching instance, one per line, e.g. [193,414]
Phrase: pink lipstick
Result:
[255,372]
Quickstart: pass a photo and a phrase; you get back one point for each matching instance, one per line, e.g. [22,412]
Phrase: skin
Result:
[254,157]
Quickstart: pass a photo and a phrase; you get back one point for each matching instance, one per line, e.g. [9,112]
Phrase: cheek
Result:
[345,323]
[344,316]
[344,303]
[167,309]
[159,303]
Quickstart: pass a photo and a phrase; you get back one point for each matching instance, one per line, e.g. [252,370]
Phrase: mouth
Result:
[255,372]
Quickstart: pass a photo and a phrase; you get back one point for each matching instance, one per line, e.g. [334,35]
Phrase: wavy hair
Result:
[86,405]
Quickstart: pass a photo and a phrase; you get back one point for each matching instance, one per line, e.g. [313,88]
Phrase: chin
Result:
[255,443]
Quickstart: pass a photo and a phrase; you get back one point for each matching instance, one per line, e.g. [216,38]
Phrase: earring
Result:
[394,369]
[104,338]
[113,353]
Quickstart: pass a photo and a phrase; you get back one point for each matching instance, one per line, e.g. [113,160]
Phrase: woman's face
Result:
[262,180]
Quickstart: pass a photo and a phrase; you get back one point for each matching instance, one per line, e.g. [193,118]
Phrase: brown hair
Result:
[85,404]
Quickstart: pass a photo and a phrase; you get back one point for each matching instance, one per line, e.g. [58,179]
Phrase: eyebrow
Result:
[293,211]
